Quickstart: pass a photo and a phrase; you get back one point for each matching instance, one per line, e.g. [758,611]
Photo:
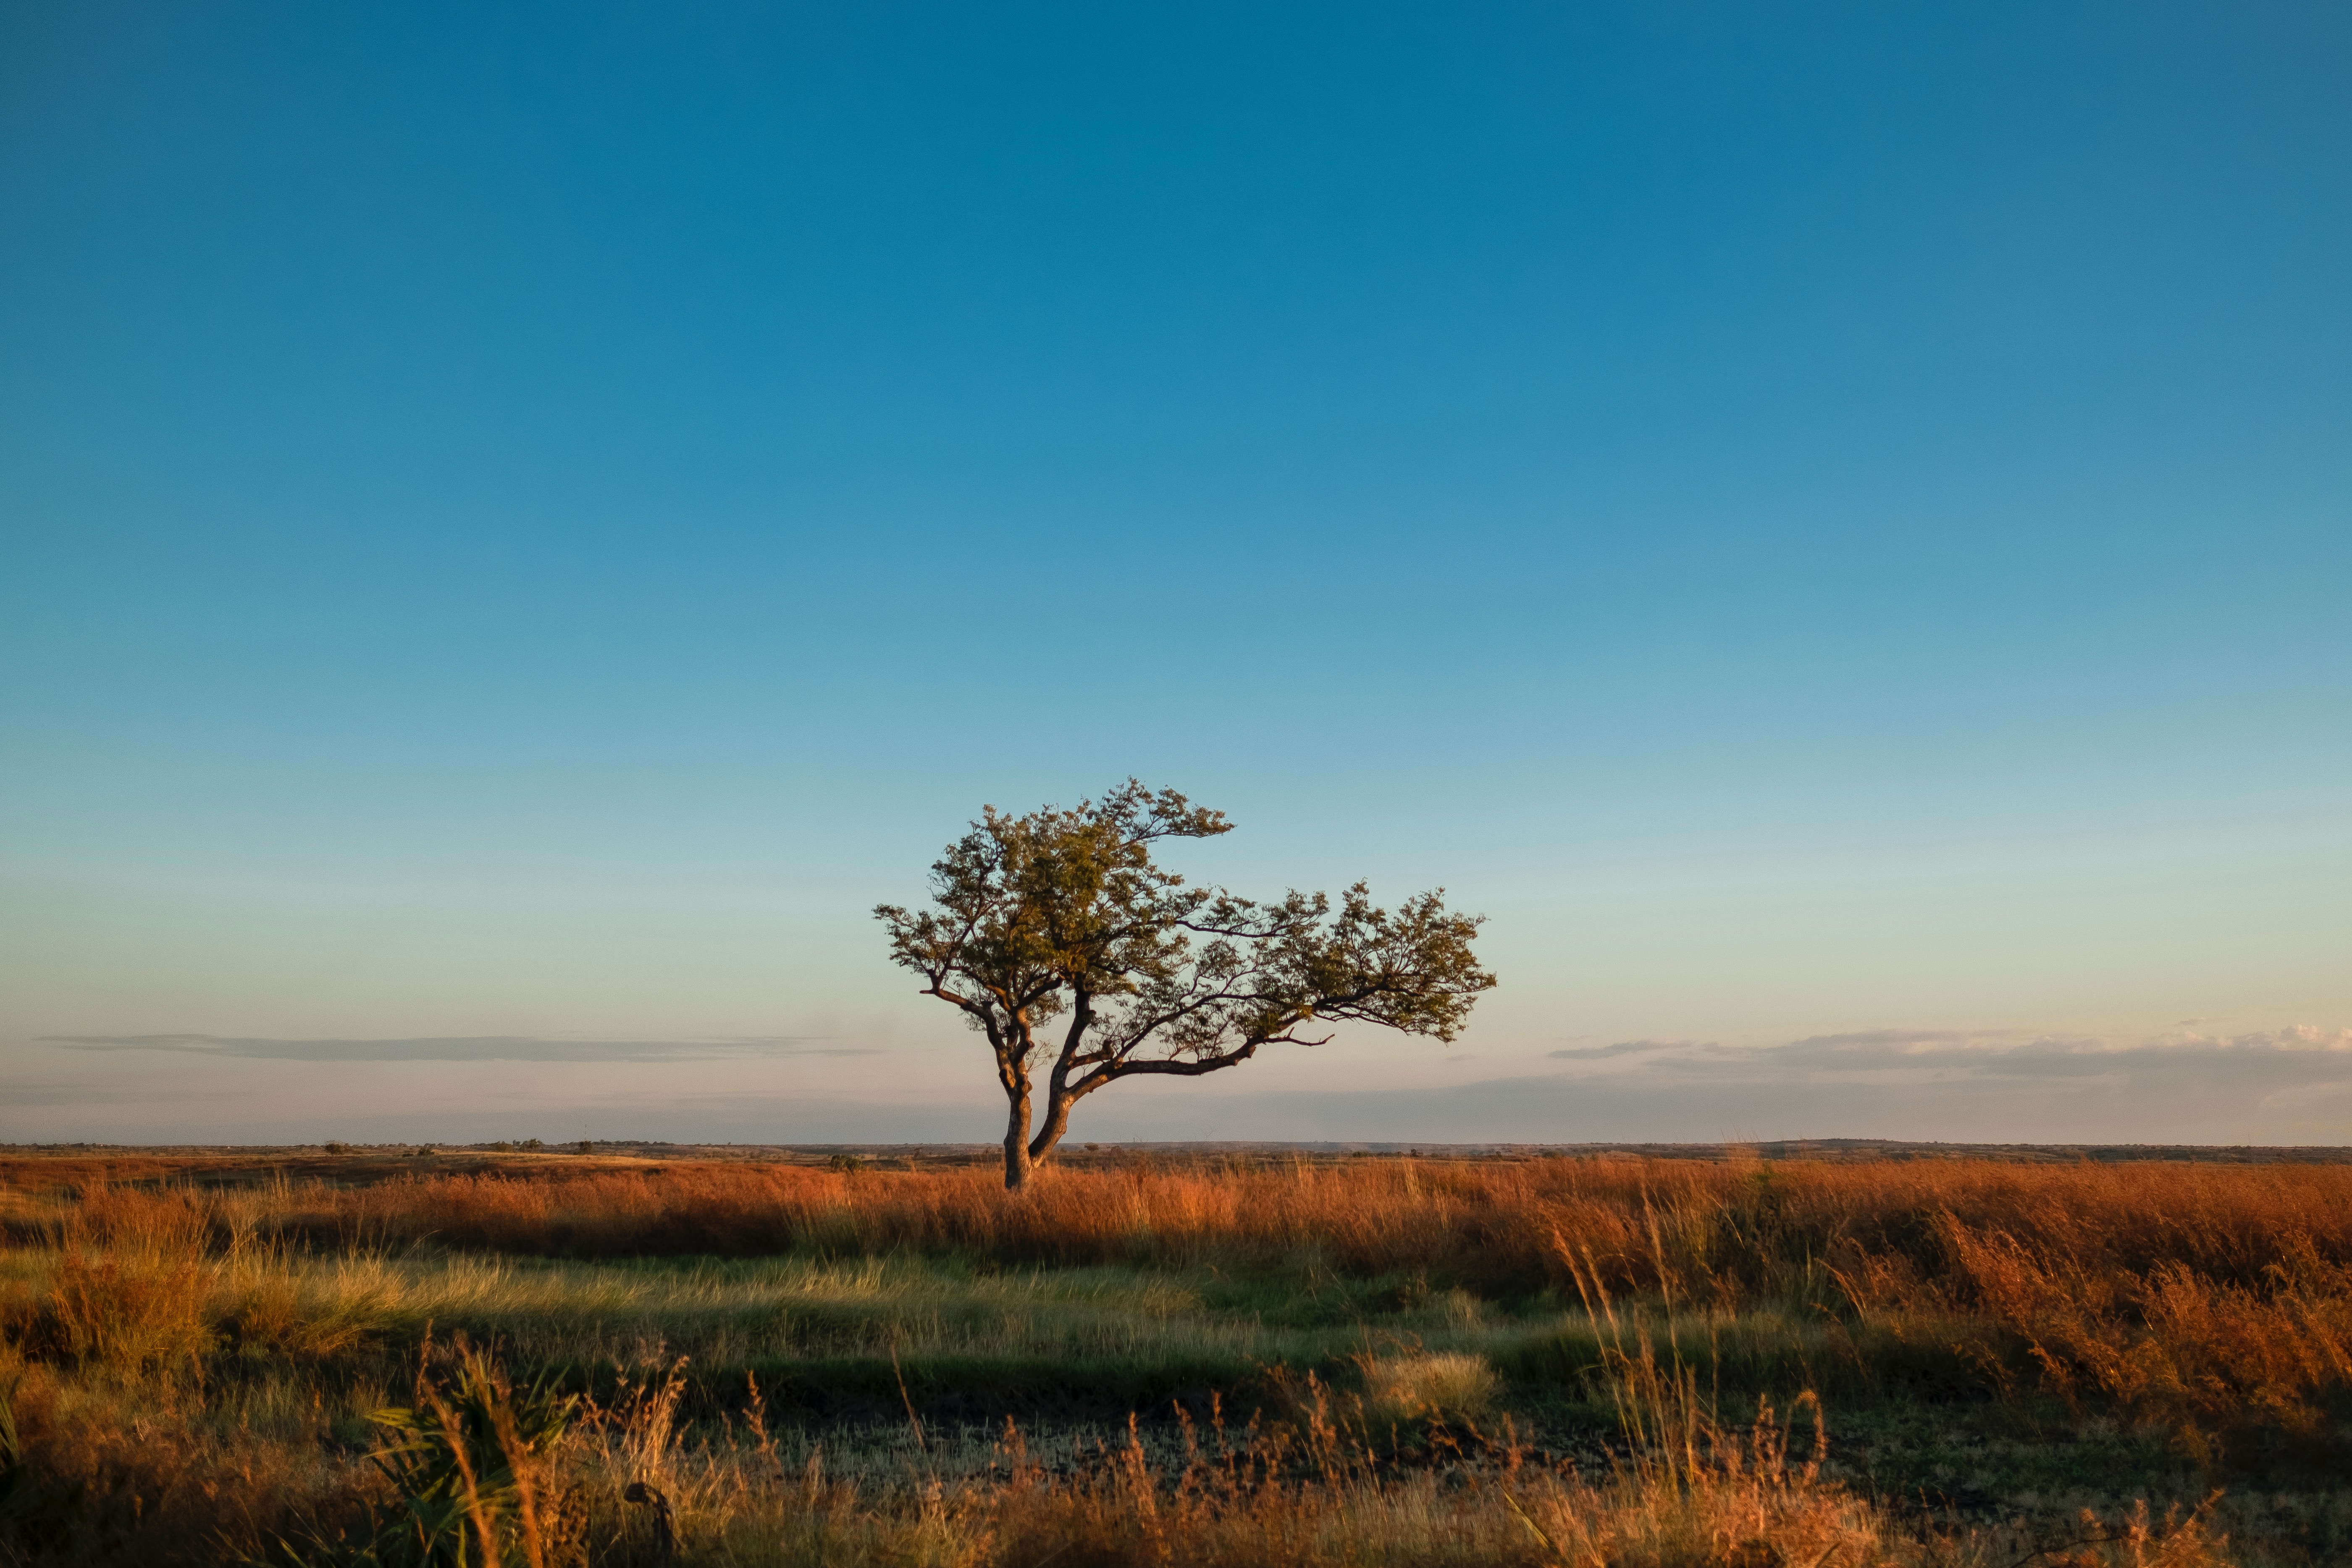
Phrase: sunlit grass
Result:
[836,1353]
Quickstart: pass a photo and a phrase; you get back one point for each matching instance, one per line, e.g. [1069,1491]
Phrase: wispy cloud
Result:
[75,1092]
[1913,1041]
[2285,1060]
[466,1048]
[2298,1096]
[2021,1053]
[2293,1037]
[1627,1049]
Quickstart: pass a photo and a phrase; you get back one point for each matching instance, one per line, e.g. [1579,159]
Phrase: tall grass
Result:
[622,1485]
[190,1369]
[2212,1298]
[1697,1230]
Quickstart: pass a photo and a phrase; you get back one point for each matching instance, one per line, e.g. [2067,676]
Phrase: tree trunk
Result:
[1056,1123]
[1017,1162]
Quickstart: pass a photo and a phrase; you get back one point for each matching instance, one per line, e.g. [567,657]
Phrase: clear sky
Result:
[1830,524]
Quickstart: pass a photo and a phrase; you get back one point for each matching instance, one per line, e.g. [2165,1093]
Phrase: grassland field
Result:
[209,1357]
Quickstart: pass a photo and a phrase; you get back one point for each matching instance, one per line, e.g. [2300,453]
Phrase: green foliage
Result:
[468,1463]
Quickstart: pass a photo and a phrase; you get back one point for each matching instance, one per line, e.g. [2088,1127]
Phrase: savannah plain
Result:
[517,1355]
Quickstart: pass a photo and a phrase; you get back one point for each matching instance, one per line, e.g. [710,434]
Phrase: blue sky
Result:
[522,524]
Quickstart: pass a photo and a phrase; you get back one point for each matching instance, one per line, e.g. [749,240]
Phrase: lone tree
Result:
[1060,918]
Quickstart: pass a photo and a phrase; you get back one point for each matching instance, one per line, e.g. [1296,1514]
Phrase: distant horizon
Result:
[2014,1093]
[986,1152]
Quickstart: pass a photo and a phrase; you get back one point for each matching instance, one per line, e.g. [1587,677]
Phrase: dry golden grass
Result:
[1697,1229]
[625,1485]
[2203,1295]
[2214,1302]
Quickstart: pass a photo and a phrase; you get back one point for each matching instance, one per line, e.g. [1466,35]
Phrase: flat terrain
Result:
[1843,1353]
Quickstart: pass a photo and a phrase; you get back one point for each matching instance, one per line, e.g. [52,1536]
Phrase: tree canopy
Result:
[1084,962]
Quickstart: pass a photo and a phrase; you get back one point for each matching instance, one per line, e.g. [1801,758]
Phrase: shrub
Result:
[1427,1388]
[471,1462]
[127,1313]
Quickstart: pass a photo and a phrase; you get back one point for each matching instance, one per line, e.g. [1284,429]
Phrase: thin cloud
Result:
[464,1048]
[2277,1058]
[1629,1048]
[2303,1094]
[1865,1039]
[2294,1063]
[28,1091]
[2293,1037]
[1999,1052]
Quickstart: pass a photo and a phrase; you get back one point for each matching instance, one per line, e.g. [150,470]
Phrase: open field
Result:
[1175,1357]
